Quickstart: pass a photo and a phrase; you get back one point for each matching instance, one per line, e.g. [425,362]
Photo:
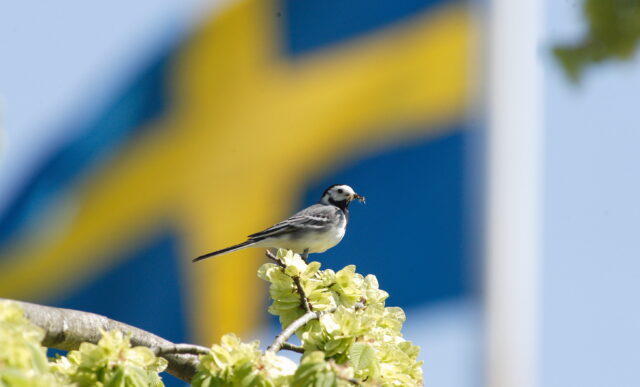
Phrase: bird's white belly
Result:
[324,241]
[316,242]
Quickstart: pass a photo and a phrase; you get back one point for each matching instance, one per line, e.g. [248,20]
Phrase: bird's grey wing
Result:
[318,217]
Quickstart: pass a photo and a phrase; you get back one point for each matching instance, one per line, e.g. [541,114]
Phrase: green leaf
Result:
[38,357]
[361,356]
[117,379]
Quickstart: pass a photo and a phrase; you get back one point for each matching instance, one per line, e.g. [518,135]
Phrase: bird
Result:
[315,229]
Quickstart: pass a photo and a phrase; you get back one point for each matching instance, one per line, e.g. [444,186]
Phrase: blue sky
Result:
[591,218]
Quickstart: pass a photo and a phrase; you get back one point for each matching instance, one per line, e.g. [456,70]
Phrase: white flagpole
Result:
[514,194]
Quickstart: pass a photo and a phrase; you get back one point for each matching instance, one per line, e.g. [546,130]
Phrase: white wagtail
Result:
[313,230]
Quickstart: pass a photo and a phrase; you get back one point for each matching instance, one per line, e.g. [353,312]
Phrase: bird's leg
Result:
[305,255]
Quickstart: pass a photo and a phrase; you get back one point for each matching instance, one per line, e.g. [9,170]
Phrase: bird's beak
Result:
[360,198]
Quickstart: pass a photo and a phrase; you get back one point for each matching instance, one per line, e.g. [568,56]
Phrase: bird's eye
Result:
[340,190]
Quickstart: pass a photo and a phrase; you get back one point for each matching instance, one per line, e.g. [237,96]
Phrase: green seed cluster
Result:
[356,339]
[112,362]
[234,363]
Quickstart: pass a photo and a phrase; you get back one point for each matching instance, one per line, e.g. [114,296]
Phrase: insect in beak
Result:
[360,198]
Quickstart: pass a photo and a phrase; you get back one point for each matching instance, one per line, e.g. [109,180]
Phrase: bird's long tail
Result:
[225,250]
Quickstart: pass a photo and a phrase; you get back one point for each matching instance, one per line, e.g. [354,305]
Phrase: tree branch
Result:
[305,301]
[296,280]
[181,349]
[292,347]
[293,327]
[272,257]
[66,329]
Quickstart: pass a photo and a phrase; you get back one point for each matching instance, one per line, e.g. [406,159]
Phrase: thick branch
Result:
[181,349]
[66,329]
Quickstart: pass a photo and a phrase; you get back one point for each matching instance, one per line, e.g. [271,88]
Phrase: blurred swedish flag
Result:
[234,129]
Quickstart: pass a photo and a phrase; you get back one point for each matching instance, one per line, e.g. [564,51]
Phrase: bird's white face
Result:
[340,193]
